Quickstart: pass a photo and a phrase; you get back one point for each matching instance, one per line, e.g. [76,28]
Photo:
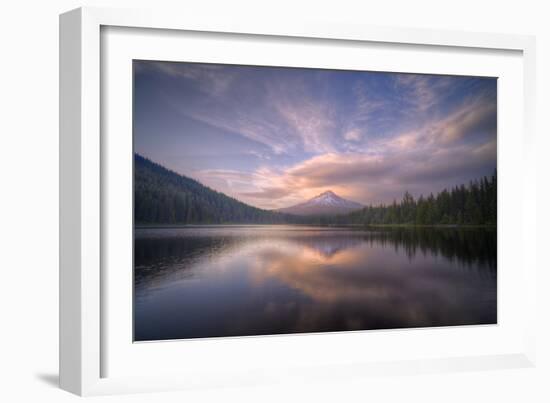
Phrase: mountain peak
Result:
[326,203]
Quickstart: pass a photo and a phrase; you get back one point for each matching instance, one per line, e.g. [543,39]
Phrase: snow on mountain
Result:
[327,203]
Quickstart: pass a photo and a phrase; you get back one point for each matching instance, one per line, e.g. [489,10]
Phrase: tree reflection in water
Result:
[231,281]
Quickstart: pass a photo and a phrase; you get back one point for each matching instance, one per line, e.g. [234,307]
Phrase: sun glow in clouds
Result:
[273,137]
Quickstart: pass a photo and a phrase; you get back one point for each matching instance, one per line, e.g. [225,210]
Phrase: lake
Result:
[212,281]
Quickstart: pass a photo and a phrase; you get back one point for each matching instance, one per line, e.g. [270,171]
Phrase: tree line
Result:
[164,197]
[474,204]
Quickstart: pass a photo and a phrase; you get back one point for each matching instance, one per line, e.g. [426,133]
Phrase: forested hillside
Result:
[162,196]
[475,204]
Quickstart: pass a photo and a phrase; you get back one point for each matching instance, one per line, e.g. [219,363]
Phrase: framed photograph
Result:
[249,202]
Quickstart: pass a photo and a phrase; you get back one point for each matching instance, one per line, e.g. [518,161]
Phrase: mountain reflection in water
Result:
[253,280]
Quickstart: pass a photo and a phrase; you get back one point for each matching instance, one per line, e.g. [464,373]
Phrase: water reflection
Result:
[232,281]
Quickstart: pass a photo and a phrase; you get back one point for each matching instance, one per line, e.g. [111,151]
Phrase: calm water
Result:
[251,280]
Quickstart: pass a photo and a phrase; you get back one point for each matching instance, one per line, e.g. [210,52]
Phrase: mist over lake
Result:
[212,281]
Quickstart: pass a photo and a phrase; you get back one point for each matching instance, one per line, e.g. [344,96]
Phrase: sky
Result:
[276,136]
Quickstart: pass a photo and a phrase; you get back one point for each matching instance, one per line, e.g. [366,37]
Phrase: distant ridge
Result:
[326,203]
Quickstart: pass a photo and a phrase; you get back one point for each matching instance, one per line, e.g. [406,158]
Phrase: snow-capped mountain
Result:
[327,203]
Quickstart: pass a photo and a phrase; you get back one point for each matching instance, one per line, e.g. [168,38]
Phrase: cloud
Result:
[366,136]
[285,117]
[310,121]
[228,174]
[226,181]
[472,119]
[372,179]
[211,79]
[328,169]
[423,161]
[267,193]
[443,152]
[369,102]
[251,122]
[308,117]
[473,122]
[421,91]
[353,135]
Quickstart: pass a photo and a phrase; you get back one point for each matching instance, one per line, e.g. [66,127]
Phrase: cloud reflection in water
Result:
[233,281]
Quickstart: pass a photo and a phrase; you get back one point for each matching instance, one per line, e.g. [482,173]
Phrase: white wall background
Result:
[29,198]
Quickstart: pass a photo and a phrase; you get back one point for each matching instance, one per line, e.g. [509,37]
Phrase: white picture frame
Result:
[86,311]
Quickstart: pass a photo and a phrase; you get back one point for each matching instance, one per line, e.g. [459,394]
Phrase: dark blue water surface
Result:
[211,281]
